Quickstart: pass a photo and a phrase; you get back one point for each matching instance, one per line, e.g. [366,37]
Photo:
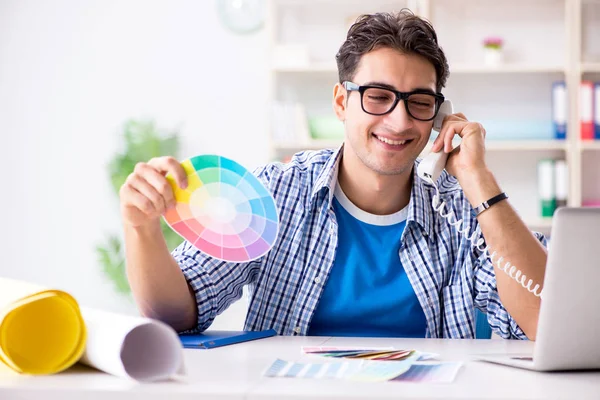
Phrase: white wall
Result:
[71,73]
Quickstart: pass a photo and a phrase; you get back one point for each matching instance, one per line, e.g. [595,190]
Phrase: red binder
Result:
[587,110]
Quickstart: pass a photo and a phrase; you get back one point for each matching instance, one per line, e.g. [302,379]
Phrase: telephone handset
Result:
[430,169]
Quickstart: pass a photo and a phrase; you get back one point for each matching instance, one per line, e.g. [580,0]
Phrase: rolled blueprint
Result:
[134,347]
[41,330]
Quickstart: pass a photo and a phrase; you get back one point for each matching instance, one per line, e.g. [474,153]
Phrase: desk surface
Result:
[235,372]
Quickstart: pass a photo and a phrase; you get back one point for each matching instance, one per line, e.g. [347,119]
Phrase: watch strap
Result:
[487,204]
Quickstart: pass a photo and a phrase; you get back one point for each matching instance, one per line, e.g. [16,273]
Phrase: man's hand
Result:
[502,228]
[469,157]
[146,194]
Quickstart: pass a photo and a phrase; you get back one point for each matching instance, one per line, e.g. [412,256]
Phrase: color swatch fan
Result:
[225,211]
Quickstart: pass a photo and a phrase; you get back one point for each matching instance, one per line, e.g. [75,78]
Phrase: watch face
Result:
[242,16]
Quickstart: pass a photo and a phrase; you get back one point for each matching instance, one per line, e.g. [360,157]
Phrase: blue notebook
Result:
[212,339]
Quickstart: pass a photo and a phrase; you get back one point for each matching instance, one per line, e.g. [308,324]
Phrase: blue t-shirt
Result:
[368,292]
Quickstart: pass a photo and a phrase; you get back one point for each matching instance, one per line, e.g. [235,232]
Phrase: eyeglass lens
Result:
[380,101]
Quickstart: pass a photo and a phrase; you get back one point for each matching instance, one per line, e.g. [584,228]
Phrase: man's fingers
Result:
[138,200]
[438,143]
[169,165]
[450,129]
[448,139]
[147,190]
[162,186]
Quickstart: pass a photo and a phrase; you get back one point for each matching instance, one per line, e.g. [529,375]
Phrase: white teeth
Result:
[392,142]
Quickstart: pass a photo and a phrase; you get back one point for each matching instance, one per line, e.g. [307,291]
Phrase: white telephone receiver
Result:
[432,166]
[430,170]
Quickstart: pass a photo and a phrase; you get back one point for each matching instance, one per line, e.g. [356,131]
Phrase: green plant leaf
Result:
[143,141]
[112,260]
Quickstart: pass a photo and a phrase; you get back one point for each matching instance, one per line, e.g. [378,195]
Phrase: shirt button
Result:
[297,329]
[318,279]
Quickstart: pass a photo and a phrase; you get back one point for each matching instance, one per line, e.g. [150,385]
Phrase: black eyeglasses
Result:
[376,100]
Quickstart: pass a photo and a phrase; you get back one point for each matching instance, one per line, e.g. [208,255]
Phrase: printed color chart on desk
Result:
[225,211]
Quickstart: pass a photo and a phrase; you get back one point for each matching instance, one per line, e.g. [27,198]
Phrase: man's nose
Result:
[399,118]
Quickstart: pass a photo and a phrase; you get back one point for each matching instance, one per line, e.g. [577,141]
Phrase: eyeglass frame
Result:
[354,87]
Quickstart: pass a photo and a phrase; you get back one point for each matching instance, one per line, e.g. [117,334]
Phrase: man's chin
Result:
[389,170]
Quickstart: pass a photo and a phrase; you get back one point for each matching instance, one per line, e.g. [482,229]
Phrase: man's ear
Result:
[340,101]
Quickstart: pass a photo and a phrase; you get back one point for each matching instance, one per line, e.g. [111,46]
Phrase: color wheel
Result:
[225,211]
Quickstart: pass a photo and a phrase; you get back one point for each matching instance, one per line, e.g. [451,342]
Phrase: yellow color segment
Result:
[194,182]
[40,333]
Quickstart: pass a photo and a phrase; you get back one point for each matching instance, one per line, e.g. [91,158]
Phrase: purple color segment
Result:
[257,248]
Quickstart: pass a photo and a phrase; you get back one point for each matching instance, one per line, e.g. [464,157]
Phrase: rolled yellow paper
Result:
[41,330]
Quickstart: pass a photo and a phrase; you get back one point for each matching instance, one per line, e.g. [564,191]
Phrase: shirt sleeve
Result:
[487,298]
[216,284]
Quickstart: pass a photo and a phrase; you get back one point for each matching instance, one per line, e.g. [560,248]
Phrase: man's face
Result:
[390,143]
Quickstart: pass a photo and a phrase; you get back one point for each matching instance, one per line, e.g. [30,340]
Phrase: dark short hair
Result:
[402,31]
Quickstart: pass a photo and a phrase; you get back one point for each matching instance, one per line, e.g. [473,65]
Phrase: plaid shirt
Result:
[449,277]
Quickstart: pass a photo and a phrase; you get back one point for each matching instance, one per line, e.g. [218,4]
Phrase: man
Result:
[361,251]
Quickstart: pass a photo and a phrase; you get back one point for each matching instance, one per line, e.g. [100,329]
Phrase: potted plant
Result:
[492,47]
[142,141]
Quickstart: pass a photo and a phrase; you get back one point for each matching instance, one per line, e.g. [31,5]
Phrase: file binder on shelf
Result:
[597,110]
[559,109]
[587,110]
[546,190]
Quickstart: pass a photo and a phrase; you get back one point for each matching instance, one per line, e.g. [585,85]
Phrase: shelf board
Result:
[590,145]
[513,145]
[521,145]
[525,145]
[505,69]
[539,223]
[590,67]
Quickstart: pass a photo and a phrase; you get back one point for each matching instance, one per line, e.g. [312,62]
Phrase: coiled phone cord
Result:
[477,242]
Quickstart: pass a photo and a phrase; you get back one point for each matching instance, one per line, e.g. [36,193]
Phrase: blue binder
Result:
[559,109]
[212,339]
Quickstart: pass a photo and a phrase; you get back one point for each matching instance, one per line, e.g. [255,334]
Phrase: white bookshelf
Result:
[590,67]
[551,40]
[590,145]
[542,224]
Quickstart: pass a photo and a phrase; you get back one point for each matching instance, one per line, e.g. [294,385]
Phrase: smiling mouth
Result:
[392,142]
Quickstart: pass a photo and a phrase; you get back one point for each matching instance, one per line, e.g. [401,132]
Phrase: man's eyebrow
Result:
[391,87]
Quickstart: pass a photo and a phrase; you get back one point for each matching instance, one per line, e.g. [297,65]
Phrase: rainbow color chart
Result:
[225,211]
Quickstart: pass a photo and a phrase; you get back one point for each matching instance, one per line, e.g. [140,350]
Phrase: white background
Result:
[71,73]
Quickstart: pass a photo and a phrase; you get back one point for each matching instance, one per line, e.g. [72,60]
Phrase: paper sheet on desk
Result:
[41,329]
[139,348]
[368,371]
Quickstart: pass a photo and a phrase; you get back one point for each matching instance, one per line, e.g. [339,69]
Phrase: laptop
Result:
[569,322]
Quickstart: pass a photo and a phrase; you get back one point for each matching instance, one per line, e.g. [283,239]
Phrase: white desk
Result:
[235,372]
